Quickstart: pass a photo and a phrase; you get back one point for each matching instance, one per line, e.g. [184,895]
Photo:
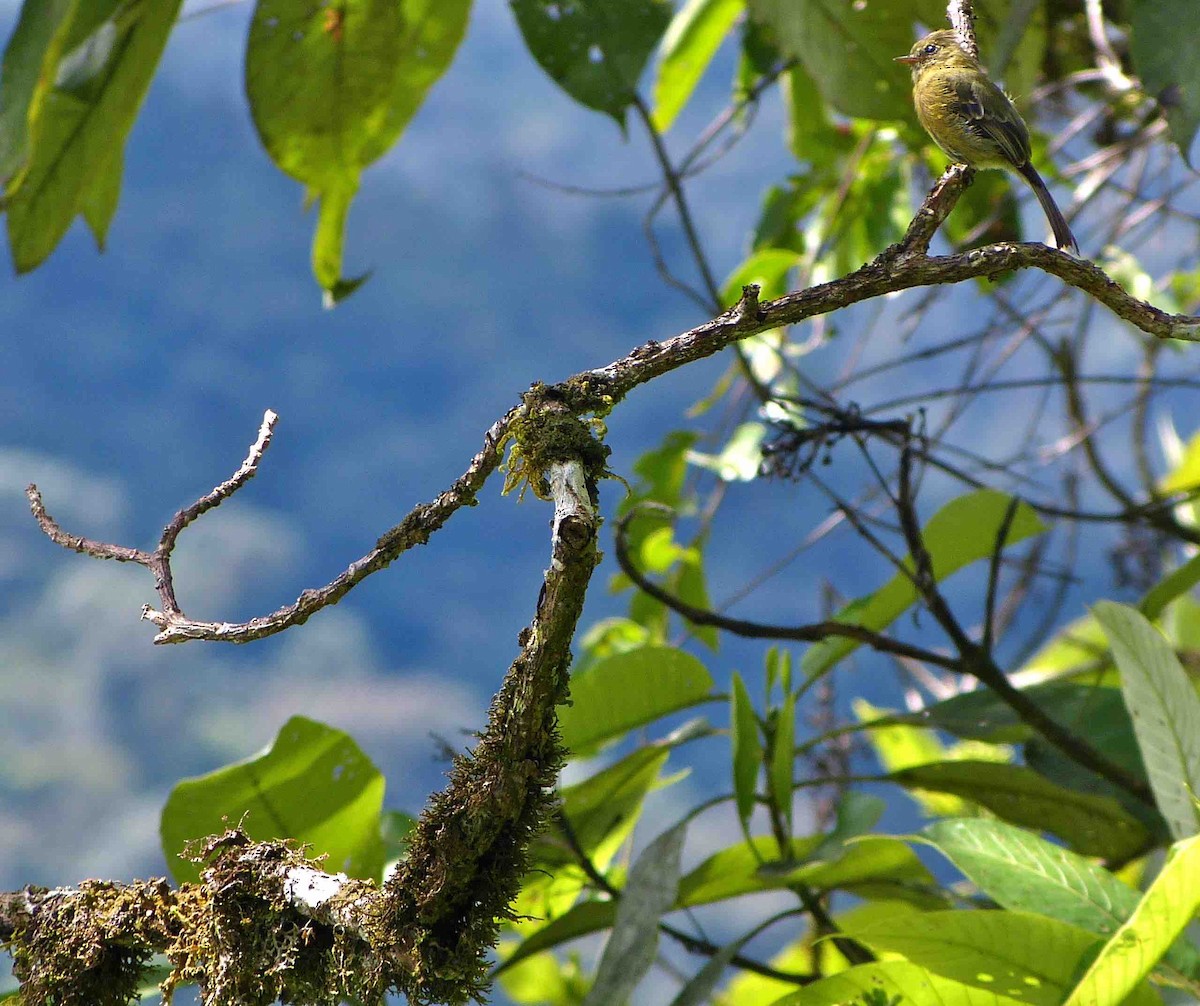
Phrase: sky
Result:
[132,382]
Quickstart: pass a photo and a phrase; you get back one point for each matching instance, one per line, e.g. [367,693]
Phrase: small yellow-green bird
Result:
[972,120]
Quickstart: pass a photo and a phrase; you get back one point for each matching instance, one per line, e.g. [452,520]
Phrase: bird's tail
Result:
[1058,223]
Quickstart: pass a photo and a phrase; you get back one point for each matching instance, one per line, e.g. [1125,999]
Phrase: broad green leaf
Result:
[1092,825]
[30,60]
[1165,711]
[101,197]
[892,983]
[746,748]
[692,39]
[628,690]
[583,919]
[783,758]
[811,136]
[433,30]
[739,869]
[595,50]
[691,586]
[1097,710]
[1165,58]
[1049,762]
[83,110]
[331,89]
[1026,957]
[768,267]
[1020,871]
[961,532]
[602,810]
[848,49]
[740,458]
[1168,906]
[857,814]
[649,893]
[312,784]
[901,745]
[1170,587]
[1081,645]
[870,859]
[735,871]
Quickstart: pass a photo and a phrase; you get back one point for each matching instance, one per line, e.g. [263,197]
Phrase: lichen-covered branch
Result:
[265,924]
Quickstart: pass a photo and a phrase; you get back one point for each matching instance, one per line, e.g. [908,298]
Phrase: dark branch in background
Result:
[977,662]
[814,633]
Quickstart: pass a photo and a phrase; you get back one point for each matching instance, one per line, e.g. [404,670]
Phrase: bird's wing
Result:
[987,110]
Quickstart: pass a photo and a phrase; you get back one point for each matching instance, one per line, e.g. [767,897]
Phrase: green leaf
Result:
[30,60]
[740,458]
[848,49]
[1168,906]
[602,810]
[1165,57]
[891,983]
[867,860]
[747,750]
[628,690]
[735,871]
[1165,711]
[691,586]
[101,197]
[961,532]
[433,30]
[648,894]
[581,920]
[783,758]
[1097,709]
[595,50]
[1170,587]
[1016,954]
[739,869]
[811,137]
[692,39]
[83,110]
[312,784]
[1022,872]
[768,267]
[1092,825]
[332,87]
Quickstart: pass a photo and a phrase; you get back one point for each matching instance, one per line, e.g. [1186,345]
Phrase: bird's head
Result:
[937,50]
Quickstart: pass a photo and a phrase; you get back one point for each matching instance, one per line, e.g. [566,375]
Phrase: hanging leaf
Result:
[332,87]
[95,67]
[595,50]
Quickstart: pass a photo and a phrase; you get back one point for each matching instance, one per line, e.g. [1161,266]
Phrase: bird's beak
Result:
[907,60]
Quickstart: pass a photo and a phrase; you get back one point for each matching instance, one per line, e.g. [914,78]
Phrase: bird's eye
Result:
[930,49]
